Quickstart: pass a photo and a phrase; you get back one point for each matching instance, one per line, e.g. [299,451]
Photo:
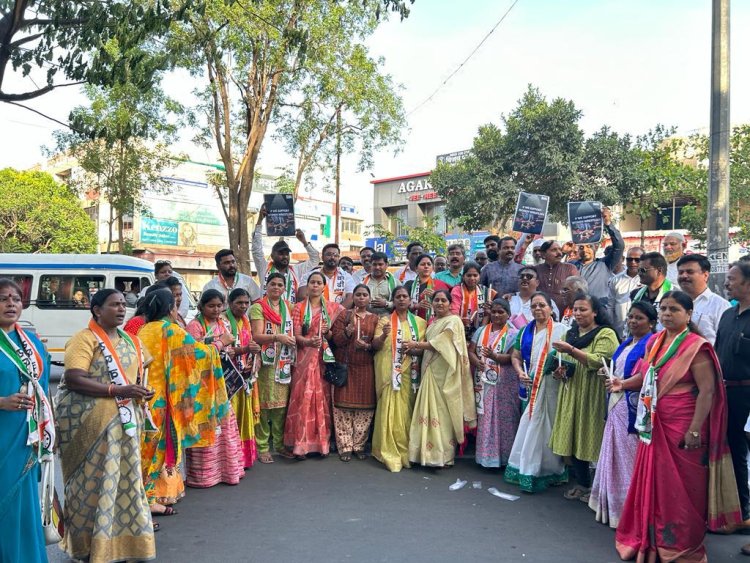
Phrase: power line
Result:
[459,67]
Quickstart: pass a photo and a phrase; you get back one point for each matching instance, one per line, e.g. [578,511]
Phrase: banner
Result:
[280,217]
[531,211]
[585,220]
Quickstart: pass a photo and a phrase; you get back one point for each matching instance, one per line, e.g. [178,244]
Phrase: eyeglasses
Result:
[526,276]
[644,270]
[538,305]
[632,260]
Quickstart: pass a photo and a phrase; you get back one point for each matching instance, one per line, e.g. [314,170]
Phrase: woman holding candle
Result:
[397,376]
[444,406]
[579,419]
[532,465]
[423,287]
[617,455]
[495,387]
[308,419]
[354,403]
[471,301]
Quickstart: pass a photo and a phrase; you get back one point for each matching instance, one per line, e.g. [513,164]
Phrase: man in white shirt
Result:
[339,284]
[674,245]
[280,253]
[693,270]
[229,278]
[409,272]
[365,258]
[620,287]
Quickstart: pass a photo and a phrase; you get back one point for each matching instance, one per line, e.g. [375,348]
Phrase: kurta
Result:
[308,420]
[582,406]
[272,395]
[390,438]
[359,391]
[445,399]
[106,511]
[21,536]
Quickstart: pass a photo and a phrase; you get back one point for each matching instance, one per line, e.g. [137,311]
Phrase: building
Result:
[406,200]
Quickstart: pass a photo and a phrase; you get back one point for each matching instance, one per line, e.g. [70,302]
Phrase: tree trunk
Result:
[109,228]
[120,235]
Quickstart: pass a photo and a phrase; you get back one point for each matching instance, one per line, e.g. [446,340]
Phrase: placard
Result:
[585,220]
[531,211]
[280,215]
[232,377]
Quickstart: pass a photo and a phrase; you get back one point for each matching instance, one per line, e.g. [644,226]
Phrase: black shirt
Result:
[733,343]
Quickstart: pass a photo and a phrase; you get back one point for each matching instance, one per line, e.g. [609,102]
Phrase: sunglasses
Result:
[644,270]
[526,276]
[538,305]
[632,259]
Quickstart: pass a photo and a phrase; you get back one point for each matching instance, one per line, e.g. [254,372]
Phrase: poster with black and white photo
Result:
[531,211]
[280,217]
[232,377]
[585,220]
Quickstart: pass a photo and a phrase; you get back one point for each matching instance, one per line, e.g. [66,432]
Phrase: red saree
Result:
[675,494]
[308,418]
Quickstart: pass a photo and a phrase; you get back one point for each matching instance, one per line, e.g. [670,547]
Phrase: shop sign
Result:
[424,196]
[158,231]
[414,186]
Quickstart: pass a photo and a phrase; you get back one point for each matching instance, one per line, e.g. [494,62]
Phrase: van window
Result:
[68,292]
[130,287]
[25,283]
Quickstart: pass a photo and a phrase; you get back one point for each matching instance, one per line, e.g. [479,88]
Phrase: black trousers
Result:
[738,407]
[583,472]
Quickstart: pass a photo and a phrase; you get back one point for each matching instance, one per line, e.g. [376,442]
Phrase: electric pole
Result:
[338,174]
[718,157]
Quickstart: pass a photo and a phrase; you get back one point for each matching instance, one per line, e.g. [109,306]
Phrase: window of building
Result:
[68,292]
[25,284]
[398,217]
[351,226]
[438,212]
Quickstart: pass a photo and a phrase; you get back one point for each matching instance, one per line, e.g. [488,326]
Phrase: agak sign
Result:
[414,186]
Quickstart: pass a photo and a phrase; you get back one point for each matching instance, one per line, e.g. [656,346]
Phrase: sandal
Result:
[285,453]
[345,456]
[361,455]
[585,498]
[168,511]
[265,457]
[156,526]
[575,493]
[300,457]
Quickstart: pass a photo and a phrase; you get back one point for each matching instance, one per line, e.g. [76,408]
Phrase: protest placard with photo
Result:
[280,217]
[531,211]
[585,220]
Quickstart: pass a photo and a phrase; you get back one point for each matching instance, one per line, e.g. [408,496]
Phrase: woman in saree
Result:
[246,402]
[471,301]
[423,287]
[221,461]
[397,375]
[683,477]
[99,420]
[354,403]
[273,330]
[308,419]
[445,405]
[532,465]
[24,380]
[617,455]
[495,387]
[175,378]
[581,408]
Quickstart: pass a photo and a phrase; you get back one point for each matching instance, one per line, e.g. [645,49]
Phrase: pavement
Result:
[324,510]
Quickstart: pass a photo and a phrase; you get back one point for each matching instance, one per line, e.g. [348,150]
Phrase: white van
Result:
[57,289]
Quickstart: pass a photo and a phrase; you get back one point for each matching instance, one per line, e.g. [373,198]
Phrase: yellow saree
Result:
[445,400]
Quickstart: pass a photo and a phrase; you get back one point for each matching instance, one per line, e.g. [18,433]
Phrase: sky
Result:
[627,64]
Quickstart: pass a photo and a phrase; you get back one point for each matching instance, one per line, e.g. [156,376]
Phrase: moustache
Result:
[492,254]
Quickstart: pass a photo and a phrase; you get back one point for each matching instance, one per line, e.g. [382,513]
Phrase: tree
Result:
[427,234]
[694,215]
[39,215]
[120,142]
[253,57]
[74,42]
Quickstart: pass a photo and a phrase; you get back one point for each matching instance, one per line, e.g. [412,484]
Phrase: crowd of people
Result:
[628,379]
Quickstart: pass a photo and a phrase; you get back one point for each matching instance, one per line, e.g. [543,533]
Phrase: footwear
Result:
[265,457]
[168,511]
[361,455]
[584,498]
[285,453]
[156,526]
[576,492]
[345,456]
[745,549]
[300,457]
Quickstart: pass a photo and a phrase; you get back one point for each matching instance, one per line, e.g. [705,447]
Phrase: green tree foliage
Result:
[39,215]
[121,143]
[252,58]
[94,41]
[427,234]
[694,215]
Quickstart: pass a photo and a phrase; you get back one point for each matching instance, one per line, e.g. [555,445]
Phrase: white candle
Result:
[358,330]
[559,359]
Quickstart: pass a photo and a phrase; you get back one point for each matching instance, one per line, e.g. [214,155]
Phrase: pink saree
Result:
[308,418]
[675,494]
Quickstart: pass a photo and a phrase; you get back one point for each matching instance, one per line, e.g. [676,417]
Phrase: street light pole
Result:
[718,158]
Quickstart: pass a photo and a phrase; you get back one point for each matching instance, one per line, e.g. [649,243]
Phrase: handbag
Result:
[52,521]
[336,373]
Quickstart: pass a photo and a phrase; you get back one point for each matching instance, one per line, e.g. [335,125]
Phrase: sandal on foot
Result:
[168,511]
[361,455]
[584,498]
[345,456]
[265,457]
[575,493]
[286,454]
[300,457]
[156,526]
